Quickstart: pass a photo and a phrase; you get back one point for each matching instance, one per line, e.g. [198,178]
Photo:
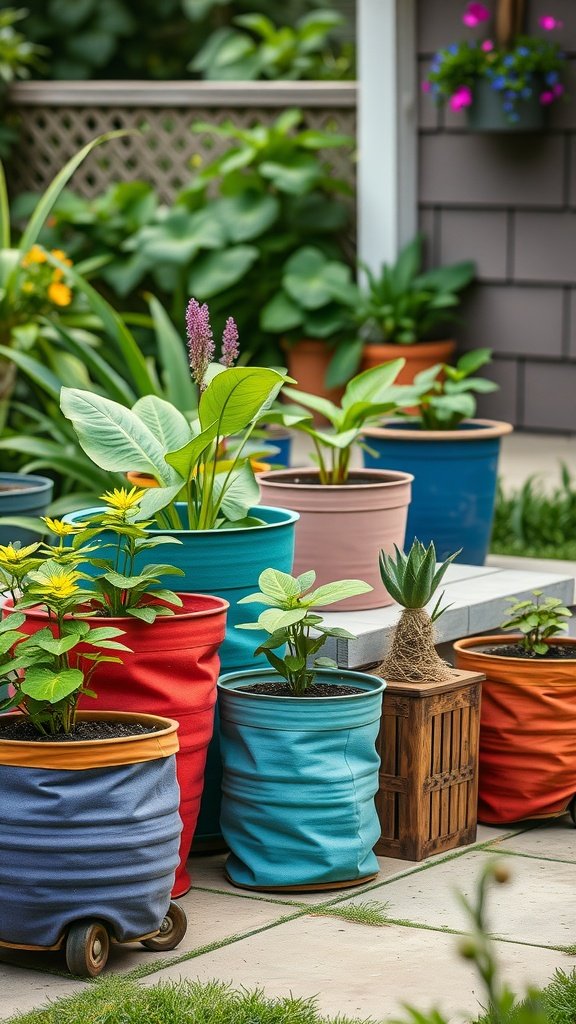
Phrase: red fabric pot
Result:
[173,673]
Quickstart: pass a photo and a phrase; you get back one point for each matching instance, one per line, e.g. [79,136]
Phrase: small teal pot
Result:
[299,779]
[22,495]
[227,564]
[455,476]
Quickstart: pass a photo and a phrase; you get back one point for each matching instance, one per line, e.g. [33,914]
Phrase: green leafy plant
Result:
[412,580]
[444,394]
[260,49]
[50,670]
[290,621]
[367,397]
[185,457]
[537,521]
[538,621]
[404,304]
[515,69]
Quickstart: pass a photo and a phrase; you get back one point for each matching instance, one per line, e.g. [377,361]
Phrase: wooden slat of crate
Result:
[428,745]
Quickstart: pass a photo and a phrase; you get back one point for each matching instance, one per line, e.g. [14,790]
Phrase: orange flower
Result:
[59,294]
[35,255]
[59,255]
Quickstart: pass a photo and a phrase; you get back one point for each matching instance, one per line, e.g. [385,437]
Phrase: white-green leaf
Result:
[234,398]
[273,619]
[279,585]
[330,593]
[167,424]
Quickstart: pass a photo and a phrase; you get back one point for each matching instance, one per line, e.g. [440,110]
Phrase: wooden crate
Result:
[428,745]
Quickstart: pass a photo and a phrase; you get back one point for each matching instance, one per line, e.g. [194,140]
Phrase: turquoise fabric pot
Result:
[227,564]
[454,488]
[23,495]
[299,779]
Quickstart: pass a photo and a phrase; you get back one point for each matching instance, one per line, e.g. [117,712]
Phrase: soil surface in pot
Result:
[313,480]
[516,651]
[316,690]
[16,487]
[82,731]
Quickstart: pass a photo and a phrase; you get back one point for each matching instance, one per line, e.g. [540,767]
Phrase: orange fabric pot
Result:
[172,672]
[527,766]
[420,356]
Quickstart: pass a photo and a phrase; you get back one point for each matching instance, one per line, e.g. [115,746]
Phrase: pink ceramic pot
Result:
[342,528]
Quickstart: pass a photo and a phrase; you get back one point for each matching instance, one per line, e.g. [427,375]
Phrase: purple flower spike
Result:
[230,349]
[200,341]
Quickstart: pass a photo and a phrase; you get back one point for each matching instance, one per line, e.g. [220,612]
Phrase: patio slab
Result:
[516,910]
[363,971]
[555,840]
[25,989]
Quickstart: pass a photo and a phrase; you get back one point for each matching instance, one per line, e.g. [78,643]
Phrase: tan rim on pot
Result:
[486,430]
[343,527]
[71,755]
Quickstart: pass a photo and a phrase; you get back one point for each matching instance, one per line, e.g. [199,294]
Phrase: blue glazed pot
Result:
[23,495]
[455,476]
[98,841]
[227,564]
[283,442]
[300,777]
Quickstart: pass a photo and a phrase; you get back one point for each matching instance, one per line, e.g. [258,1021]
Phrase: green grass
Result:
[120,1000]
[371,912]
[536,523]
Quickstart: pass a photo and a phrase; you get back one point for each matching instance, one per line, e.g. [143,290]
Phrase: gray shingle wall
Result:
[509,203]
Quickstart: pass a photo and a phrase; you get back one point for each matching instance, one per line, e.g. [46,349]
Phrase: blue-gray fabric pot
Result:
[22,495]
[98,843]
[299,781]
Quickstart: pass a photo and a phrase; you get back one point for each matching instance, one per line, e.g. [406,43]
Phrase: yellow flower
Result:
[53,582]
[60,528]
[122,499]
[10,555]
[28,288]
[60,255]
[59,294]
[196,160]
[35,255]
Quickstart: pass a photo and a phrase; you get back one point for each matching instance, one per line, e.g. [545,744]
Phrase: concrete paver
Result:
[535,906]
[362,971]
[26,989]
[555,840]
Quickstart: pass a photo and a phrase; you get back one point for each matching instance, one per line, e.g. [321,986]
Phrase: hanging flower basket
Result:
[486,114]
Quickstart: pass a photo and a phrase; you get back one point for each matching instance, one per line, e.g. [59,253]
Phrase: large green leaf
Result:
[280,585]
[166,423]
[178,236]
[371,385]
[235,397]
[105,374]
[281,314]
[312,280]
[247,215]
[33,369]
[276,618]
[321,405]
[296,175]
[184,459]
[214,272]
[240,493]
[113,436]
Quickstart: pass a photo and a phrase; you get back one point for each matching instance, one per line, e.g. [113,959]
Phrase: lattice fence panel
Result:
[162,152]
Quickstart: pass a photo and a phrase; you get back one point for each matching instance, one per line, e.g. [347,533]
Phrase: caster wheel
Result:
[87,948]
[572,809]
[172,930]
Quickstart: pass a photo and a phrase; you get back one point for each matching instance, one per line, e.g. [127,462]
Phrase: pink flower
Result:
[558,89]
[487,45]
[546,98]
[461,98]
[474,14]
[230,348]
[549,23]
[426,87]
[200,343]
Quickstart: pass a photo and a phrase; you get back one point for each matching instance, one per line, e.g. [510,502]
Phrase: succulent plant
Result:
[412,580]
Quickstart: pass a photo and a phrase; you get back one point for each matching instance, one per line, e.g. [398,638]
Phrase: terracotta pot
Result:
[308,363]
[172,671]
[420,356]
[527,766]
[141,479]
[343,527]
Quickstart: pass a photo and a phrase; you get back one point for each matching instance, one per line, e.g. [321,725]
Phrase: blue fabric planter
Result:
[300,777]
[454,489]
[226,563]
[97,843]
[22,495]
